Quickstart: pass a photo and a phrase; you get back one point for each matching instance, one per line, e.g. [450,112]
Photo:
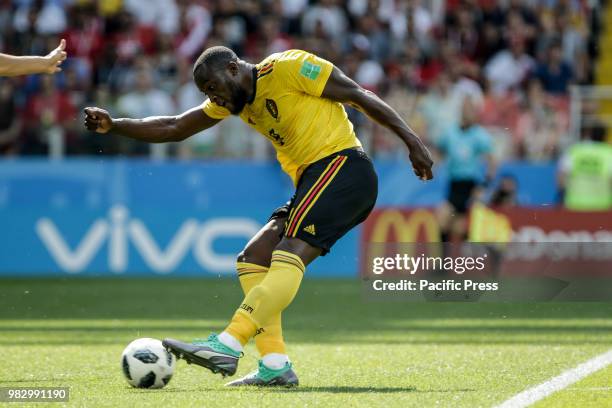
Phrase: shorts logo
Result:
[310,70]
[272,108]
[310,229]
[246,307]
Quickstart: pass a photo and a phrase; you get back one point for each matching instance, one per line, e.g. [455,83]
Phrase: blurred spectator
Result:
[161,14]
[10,121]
[370,39]
[188,96]
[541,126]
[490,42]
[195,25]
[419,21]
[462,31]
[325,17]
[235,22]
[42,16]
[50,125]
[132,40]
[369,73]
[463,85]
[271,39]
[166,64]
[291,11]
[440,109]
[84,38]
[554,73]
[509,68]
[145,100]
[573,38]
[384,144]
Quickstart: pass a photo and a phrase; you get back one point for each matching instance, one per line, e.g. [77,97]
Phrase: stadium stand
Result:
[517,58]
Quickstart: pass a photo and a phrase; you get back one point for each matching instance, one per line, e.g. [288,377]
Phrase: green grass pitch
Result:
[347,352]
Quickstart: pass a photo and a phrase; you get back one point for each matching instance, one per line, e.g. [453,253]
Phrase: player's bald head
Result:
[213,59]
[221,76]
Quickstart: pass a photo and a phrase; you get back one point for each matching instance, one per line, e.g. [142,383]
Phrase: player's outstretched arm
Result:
[154,129]
[11,65]
[342,89]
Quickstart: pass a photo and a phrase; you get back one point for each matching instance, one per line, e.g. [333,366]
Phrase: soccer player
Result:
[294,99]
[11,65]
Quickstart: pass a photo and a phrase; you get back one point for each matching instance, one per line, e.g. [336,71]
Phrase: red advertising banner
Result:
[529,241]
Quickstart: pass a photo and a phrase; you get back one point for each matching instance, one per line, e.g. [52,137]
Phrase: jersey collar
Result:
[252,98]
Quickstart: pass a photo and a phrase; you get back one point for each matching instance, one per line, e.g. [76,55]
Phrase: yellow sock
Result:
[250,275]
[269,339]
[269,298]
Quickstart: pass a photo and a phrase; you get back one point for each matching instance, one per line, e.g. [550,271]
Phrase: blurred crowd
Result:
[515,59]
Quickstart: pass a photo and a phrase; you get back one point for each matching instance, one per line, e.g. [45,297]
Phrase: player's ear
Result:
[232,66]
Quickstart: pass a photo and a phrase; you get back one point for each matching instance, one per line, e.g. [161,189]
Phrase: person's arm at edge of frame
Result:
[11,65]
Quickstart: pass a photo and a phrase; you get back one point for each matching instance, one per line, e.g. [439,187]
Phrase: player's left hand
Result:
[54,59]
[421,162]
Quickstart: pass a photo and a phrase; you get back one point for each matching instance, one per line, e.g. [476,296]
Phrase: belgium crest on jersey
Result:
[272,108]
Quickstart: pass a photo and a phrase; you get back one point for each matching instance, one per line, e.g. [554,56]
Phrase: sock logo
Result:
[259,331]
[246,307]
[310,229]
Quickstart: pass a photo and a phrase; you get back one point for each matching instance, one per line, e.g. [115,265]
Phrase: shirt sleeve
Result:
[485,144]
[305,72]
[442,142]
[212,110]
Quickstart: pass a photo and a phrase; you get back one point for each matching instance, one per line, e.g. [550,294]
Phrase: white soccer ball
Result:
[147,364]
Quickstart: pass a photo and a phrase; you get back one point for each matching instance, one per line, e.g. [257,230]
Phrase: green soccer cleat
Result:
[209,353]
[268,377]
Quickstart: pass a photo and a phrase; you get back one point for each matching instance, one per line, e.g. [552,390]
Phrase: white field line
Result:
[563,380]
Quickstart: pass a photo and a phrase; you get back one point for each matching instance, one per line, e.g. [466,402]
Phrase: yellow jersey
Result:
[288,110]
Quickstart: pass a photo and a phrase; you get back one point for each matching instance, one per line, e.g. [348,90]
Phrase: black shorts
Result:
[460,194]
[333,195]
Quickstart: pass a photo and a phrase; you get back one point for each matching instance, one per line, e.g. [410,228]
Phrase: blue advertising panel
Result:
[136,217]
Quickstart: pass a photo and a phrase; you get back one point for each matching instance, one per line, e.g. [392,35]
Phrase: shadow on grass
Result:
[316,389]
[382,328]
[32,380]
[373,342]
[358,390]
[131,298]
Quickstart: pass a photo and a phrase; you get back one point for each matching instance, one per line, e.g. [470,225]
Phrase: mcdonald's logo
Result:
[414,226]
[395,231]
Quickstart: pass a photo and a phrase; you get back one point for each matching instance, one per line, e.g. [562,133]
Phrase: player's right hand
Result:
[421,162]
[98,120]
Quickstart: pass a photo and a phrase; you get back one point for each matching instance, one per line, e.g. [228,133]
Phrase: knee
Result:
[259,249]
[249,255]
[306,252]
[255,257]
